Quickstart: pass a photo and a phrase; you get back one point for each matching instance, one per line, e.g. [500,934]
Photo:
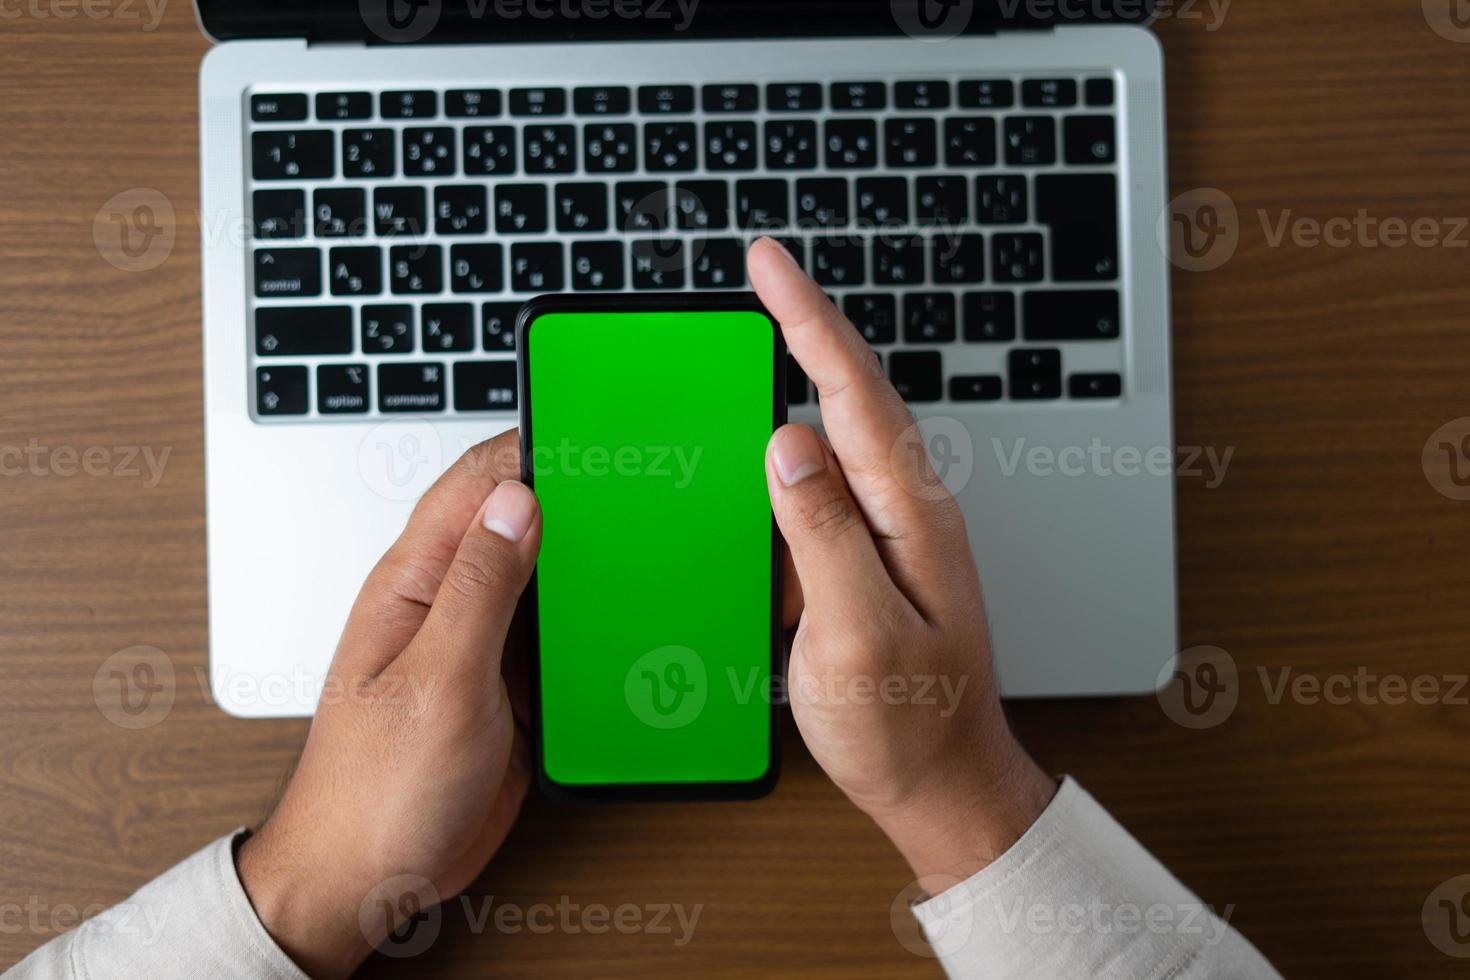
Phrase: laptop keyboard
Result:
[967,226]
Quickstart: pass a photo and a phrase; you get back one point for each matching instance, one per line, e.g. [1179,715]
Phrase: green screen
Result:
[653,586]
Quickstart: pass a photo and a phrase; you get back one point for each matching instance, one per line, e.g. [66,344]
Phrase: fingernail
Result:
[509,510]
[797,453]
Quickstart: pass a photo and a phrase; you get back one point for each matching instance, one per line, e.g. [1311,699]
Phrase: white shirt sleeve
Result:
[1077,896]
[192,921]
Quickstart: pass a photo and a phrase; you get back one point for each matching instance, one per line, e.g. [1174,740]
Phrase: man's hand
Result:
[415,765]
[890,674]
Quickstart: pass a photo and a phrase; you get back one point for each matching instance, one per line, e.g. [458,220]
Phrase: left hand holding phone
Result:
[415,767]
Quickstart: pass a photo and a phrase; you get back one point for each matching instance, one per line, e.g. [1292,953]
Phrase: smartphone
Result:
[654,611]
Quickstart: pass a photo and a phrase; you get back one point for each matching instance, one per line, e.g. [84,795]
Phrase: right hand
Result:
[890,676]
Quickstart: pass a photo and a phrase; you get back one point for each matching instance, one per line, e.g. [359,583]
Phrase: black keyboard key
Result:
[798,388]
[821,202]
[990,317]
[416,268]
[520,208]
[854,96]
[550,149]
[670,146]
[975,388]
[898,260]
[791,145]
[1085,314]
[918,375]
[610,148]
[342,389]
[485,386]
[839,260]
[471,103]
[1001,200]
[1099,91]
[280,390]
[1049,93]
[400,211]
[1035,361]
[1089,139]
[642,205]
[730,98]
[969,141]
[339,212]
[344,105]
[460,210]
[730,146]
[717,263]
[601,100]
[489,150]
[368,153]
[287,331]
[536,267]
[1017,257]
[447,327]
[882,201]
[958,259]
[278,214]
[702,205]
[418,104]
[288,272]
[910,142]
[1095,386]
[793,96]
[498,325]
[278,108]
[874,314]
[538,102]
[794,246]
[1030,141]
[355,270]
[477,268]
[987,93]
[1030,387]
[942,201]
[928,318]
[852,144]
[580,207]
[428,151]
[387,329]
[658,264]
[921,95]
[597,266]
[292,155]
[665,99]
[410,387]
[762,205]
[1082,212]
[1035,374]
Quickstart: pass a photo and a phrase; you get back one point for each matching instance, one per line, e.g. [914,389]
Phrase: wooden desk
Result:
[1324,550]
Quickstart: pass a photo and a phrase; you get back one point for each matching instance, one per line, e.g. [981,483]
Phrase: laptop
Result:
[976,184]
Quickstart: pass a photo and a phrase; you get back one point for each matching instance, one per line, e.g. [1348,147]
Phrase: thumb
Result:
[477,599]
[830,543]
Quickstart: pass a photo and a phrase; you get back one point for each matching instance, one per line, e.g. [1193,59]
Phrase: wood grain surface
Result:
[1323,828]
